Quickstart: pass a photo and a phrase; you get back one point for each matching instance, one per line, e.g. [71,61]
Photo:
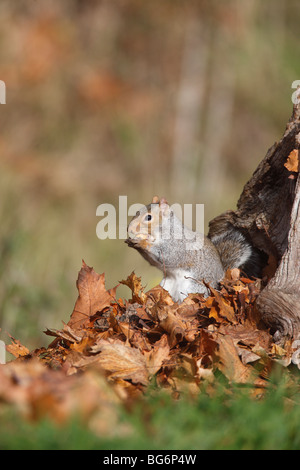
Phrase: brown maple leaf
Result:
[93,297]
[122,361]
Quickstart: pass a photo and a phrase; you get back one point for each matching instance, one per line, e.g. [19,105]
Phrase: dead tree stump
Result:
[268,213]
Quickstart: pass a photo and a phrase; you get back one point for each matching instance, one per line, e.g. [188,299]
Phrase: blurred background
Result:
[107,98]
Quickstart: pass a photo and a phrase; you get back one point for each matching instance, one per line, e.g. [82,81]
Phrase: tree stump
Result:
[268,213]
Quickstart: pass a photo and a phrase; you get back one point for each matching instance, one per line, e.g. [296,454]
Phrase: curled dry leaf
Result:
[66,333]
[172,324]
[16,348]
[159,295]
[247,356]
[135,285]
[221,308]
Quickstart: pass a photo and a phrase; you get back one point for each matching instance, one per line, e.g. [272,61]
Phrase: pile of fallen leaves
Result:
[111,349]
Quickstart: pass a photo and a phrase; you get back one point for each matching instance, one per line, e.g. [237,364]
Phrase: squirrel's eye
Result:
[148,217]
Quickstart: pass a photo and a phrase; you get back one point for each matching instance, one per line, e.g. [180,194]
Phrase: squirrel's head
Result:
[145,228]
[158,235]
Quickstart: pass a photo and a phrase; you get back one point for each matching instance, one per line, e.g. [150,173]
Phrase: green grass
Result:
[228,420]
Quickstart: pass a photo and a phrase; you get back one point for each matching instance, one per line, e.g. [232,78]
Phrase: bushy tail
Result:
[237,252]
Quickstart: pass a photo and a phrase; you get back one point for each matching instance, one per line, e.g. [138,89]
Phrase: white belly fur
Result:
[180,284]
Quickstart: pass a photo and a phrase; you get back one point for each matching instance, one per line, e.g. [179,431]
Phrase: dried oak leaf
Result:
[93,297]
[135,285]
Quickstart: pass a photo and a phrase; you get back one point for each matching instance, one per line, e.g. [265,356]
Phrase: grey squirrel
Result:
[189,261]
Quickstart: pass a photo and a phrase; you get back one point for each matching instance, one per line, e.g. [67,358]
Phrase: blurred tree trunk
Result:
[189,104]
[268,212]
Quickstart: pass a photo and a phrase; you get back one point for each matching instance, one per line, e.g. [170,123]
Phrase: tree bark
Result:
[268,213]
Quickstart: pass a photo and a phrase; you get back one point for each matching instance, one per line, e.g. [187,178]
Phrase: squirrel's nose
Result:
[131,242]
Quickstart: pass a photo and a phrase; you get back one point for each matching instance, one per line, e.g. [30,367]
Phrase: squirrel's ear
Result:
[155,200]
[163,201]
[163,204]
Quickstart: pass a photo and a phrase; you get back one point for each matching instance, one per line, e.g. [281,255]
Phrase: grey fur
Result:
[189,261]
